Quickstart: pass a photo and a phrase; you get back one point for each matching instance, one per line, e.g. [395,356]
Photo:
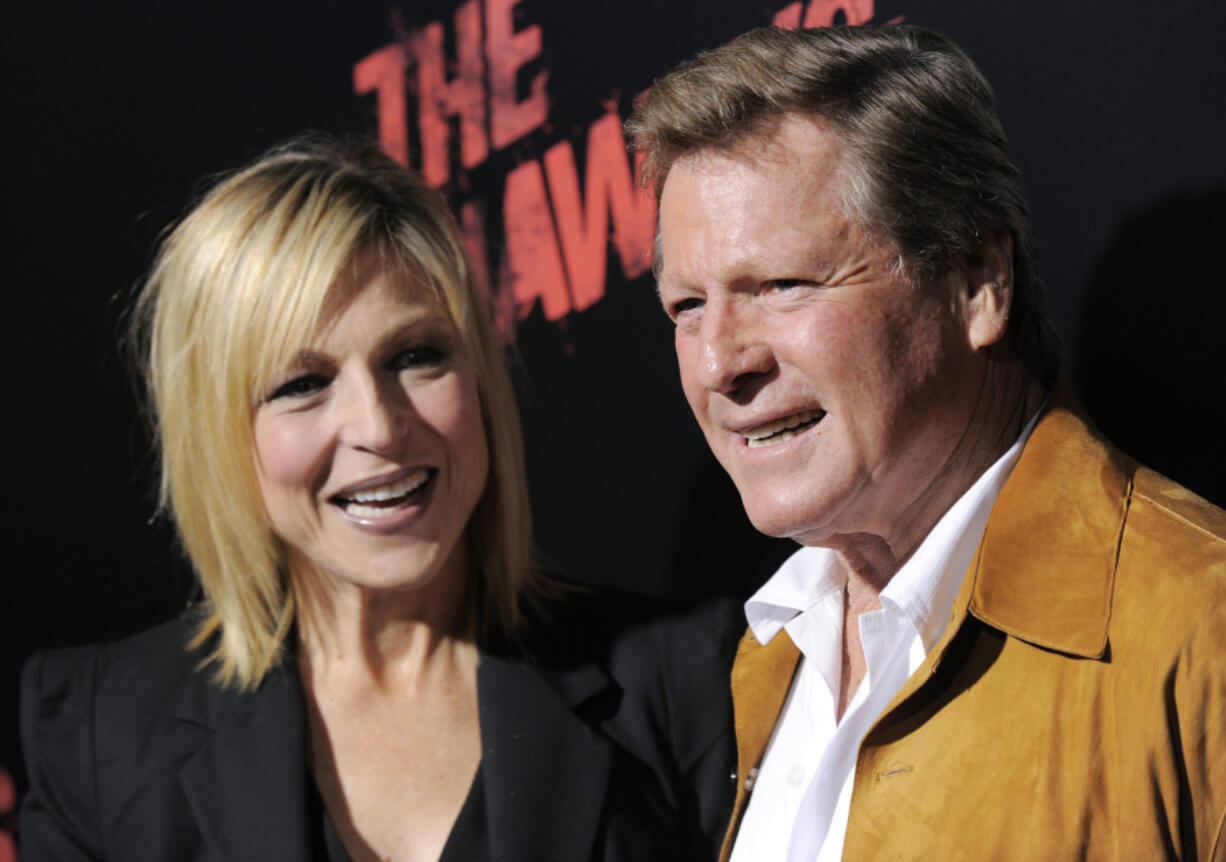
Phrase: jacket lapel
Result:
[532,741]
[1046,566]
[761,678]
[246,784]
[1044,571]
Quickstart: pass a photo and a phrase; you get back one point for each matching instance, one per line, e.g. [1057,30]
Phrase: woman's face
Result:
[369,447]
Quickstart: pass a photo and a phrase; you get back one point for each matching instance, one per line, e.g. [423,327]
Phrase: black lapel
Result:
[246,784]
[546,771]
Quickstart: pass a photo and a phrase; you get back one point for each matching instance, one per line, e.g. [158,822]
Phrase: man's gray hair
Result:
[930,167]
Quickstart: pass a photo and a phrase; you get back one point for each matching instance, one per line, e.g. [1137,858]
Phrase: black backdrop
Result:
[114,111]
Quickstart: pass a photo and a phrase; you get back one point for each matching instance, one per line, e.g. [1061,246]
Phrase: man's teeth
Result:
[365,503]
[781,429]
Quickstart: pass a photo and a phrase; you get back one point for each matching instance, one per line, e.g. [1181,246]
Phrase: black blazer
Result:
[607,746]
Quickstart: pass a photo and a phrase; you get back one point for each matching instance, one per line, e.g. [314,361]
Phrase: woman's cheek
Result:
[287,454]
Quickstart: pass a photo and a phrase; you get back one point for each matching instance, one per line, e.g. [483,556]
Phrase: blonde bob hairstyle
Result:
[238,288]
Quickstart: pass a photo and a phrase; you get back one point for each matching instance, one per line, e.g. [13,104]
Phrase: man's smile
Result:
[784,428]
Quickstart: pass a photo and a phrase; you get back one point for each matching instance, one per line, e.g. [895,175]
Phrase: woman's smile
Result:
[388,505]
[370,449]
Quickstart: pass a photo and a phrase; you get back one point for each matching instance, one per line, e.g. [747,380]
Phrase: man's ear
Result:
[988,296]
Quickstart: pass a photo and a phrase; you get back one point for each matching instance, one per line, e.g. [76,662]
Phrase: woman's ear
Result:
[988,272]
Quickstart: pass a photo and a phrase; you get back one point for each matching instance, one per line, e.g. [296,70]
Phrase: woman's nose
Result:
[374,415]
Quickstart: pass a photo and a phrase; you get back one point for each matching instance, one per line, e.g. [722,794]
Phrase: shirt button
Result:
[796,775]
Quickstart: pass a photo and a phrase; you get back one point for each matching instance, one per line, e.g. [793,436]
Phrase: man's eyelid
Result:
[789,283]
[675,302]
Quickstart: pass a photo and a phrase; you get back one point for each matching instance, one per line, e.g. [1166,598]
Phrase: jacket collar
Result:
[1044,573]
[1045,569]
[761,677]
[246,782]
[546,770]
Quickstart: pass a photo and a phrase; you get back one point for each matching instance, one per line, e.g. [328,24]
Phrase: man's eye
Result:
[782,284]
[300,387]
[681,306]
[422,356]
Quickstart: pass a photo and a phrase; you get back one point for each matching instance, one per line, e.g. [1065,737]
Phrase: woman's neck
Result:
[387,638]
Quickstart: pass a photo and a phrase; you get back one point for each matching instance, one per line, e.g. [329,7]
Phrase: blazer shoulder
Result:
[677,663]
[680,643]
[1172,550]
[59,816]
[675,667]
[667,663]
[85,681]
[138,680]
[640,640]
[1169,597]
[83,711]
[1184,509]
[579,624]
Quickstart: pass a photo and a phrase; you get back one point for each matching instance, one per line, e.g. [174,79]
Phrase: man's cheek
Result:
[687,359]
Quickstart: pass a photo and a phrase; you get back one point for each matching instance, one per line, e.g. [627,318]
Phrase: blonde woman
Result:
[377,670]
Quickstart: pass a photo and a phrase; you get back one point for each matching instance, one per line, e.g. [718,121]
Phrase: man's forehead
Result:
[772,142]
[796,162]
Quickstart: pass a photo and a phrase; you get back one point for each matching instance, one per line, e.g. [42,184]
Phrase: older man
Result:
[1003,639]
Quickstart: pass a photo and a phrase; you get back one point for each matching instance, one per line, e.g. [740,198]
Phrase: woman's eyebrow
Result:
[431,320]
[308,357]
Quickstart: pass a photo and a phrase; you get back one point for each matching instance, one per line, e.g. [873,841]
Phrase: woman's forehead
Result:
[407,277]
[407,286]
[302,331]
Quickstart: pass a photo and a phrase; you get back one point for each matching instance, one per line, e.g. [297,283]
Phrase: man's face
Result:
[831,387]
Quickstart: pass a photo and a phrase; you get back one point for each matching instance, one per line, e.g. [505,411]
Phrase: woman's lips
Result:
[380,504]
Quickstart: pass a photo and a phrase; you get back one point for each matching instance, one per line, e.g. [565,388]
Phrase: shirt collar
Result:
[924,588]
[803,580]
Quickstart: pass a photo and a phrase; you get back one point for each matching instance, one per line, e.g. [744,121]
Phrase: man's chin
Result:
[783,521]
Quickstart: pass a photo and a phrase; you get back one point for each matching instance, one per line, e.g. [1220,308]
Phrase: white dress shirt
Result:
[809,763]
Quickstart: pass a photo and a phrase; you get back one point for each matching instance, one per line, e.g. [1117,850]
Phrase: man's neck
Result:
[871,559]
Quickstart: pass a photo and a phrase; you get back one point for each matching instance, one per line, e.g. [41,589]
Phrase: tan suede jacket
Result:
[1075,707]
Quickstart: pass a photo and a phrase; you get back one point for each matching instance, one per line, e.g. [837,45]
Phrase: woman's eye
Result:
[300,387]
[421,356]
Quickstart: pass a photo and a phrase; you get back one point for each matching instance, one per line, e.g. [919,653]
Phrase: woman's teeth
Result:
[782,429]
[371,502]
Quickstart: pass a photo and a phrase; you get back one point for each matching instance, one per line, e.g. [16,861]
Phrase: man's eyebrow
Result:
[657,258]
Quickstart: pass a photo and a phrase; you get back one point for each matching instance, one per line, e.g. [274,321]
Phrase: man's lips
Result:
[783,428]
[370,500]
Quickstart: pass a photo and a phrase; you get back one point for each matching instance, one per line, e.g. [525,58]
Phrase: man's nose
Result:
[732,356]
